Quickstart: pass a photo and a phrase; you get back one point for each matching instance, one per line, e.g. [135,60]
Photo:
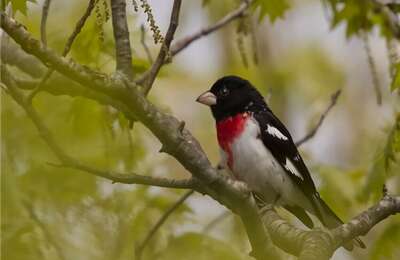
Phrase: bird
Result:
[257,149]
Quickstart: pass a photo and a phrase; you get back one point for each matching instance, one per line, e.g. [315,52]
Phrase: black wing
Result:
[277,139]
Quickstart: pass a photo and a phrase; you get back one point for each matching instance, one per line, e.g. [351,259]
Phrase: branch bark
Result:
[177,142]
[68,161]
[321,244]
[147,79]
[121,37]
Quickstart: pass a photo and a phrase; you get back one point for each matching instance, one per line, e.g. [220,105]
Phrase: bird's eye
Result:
[224,92]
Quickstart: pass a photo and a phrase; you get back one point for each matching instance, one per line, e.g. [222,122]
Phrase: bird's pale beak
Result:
[207,98]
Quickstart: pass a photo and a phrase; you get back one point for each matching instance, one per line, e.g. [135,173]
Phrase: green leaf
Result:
[273,8]
[392,147]
[19,5]
[396,78]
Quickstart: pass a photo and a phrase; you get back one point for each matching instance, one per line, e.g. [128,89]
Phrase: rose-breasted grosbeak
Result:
[258,150]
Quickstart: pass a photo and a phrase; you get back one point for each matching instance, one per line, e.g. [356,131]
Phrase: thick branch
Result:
[186,41]
[12,54]
[148,77]
[121,37]
[320,244]
[363,223]
[177,141]
[70,162]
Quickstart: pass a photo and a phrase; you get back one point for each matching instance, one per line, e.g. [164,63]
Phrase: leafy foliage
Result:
[392,147]
[381,168]
[90,218]
[396,78]
[359,15]
[20,5]
[273,8]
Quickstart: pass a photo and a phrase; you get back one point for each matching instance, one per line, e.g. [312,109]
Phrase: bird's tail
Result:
[330,220]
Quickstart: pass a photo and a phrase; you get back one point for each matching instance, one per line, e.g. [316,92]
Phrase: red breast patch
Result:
[227,130]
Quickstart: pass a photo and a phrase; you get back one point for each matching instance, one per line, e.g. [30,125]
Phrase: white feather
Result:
[275,132]
[290,167]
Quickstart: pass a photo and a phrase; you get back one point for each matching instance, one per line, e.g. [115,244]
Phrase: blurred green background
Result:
[296,61]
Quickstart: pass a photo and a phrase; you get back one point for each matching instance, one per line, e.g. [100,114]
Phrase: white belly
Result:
[254,164]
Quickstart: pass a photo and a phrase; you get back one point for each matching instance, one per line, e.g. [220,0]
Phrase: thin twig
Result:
[149,76]
[139,249]
[372,67]
[313,131]
[78,27]
[49,237]
[144,44]
[43,22]
[186,41]
[218,219]
[121,37]
[184,147]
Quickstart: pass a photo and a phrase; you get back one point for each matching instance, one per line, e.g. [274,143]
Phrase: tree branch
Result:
[314,130]
[186,41]
[121,37]
[78,27]
[364,222]
[159,223]
[43,22]
[147,79]
[320,244]
[13,55]
[177,141]
[70,162]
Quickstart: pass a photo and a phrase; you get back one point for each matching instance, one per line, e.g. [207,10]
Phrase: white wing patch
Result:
[290,167]
[275,132]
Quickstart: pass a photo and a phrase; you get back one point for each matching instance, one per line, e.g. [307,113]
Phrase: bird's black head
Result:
[231,95]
